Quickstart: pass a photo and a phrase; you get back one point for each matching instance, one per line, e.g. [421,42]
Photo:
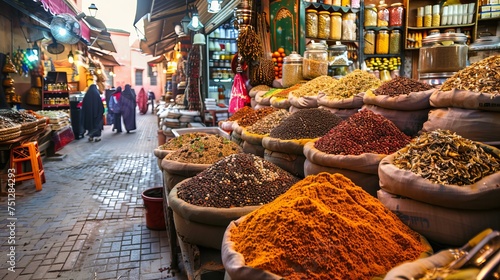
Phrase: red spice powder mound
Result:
[325,227]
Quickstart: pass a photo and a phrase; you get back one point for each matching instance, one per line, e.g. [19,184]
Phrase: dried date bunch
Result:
[306,124]
[363,132]
[235,181]
[443,157]
[482,76]
[401,85]
[249,44]
[204,150]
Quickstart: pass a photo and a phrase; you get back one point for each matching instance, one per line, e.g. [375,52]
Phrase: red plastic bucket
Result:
[153,203]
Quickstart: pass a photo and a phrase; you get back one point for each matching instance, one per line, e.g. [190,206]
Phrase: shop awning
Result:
[106,59]
[102,40]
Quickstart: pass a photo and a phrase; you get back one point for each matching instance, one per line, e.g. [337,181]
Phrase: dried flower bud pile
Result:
[363,132]
[443,157]
[236,181]
[177,142]
[241,113]
[306,124]
[267,123]
[353,83]
[313,86]
[482,76]
[204,150]
[400,86]
[250,119]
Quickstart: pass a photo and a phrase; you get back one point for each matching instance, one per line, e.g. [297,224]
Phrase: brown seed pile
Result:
[443,157]
[482,76]
[363,132]
[236,181]
[267,123]
[256,115]
[306,124]
[204,150]
[312,87]
[353,83]
[241,113]
[18,117]
[177,142]
[401,85]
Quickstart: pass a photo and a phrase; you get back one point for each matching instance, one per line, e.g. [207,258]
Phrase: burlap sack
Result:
[160,154]
[293,146]
[204,226]
[409,122]
[280,102]
[292,163]
[415,269]
[253,103]
[252,143]
[175,171]
[476,125]
[404,102]
[447,226]
[226,125]
[302,102]
[342,113]
[484,194]
[263,100]
[466,99]
[354,102]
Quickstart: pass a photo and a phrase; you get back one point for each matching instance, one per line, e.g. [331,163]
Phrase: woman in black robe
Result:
[92,113]
[128,104]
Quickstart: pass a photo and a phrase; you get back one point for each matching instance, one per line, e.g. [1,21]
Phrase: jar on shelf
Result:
[311,23]
[436,18]
[328,2]
[395,42]
[292,69]
[428,16]
[382,44]
[420,17]
[370,15]
[337,54]
[369,42]
[345,3]
[382,16]
[355,4]
[323,25]
[396,12]
[349,27]
[335,26]
[315,61]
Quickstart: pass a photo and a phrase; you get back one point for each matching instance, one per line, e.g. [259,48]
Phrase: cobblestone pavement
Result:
[88,221]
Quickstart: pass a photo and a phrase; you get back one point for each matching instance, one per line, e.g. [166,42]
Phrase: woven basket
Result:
[8,130]
[5,137]
[28,130]
[28,125]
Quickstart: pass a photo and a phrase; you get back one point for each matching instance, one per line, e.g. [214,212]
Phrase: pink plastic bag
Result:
[239,95]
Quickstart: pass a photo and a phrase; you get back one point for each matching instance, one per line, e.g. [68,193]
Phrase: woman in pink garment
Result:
[142,101]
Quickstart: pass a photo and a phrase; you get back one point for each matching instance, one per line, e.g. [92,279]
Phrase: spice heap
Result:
[260,88]
[482,76]
[443,157]
[272,92]
[6,122]
[251,118]
[236,181]
[306,124]
[363,132]
[241,113]
[19,117]
[325,227]
[313,87]
[177,142]
[267,123]
[400,86]
[353,83]
[204,150]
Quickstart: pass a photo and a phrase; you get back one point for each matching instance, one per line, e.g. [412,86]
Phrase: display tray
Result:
[208,130]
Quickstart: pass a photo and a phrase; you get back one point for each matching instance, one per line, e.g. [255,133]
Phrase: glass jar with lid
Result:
[337,54]
[396,12]
[369,42]
[443,52]
[394,42]
[292,69]
[311,23]
[315,61]
[335,26]
[349,27]
[382,44]
[370,15]
[323,25]
[382,16]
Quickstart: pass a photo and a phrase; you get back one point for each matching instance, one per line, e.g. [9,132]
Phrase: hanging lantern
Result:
[214,6]
[243,14]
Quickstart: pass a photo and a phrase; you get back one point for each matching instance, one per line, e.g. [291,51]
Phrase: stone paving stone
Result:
[71,260]
[40,272]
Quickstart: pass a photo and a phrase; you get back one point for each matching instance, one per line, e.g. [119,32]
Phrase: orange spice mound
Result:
[325,227]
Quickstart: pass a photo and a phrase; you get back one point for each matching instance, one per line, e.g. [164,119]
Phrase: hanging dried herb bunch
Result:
[249,44]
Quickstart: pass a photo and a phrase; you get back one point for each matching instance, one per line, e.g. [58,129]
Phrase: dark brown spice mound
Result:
[363,132]
[400,86]
[237,180]
[306,124]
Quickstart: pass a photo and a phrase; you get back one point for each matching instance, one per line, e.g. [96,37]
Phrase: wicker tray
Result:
[29,125]
[5,137]
[25,131]
[8,130]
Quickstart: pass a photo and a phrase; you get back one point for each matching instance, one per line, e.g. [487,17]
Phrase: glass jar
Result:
[315,62]
[394,42]
[396,12]
[349,27]
[436,17]
[420,16]
[323,25]
[311,23]
[335,26]
[443,52]
[328,2]
[370,15]
[369,42]
[355,4]
[292,69]
[337,54]
[382,16]
[382,44]
[345,3]
[428,16]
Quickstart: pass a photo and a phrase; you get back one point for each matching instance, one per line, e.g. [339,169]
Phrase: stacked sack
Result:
[306,96]
[402,100]
[468,103]
[443,186]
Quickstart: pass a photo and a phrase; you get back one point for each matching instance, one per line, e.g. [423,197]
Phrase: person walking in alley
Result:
[127,105]
[151,98]
[115,107]
[142,101]
[92,113]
